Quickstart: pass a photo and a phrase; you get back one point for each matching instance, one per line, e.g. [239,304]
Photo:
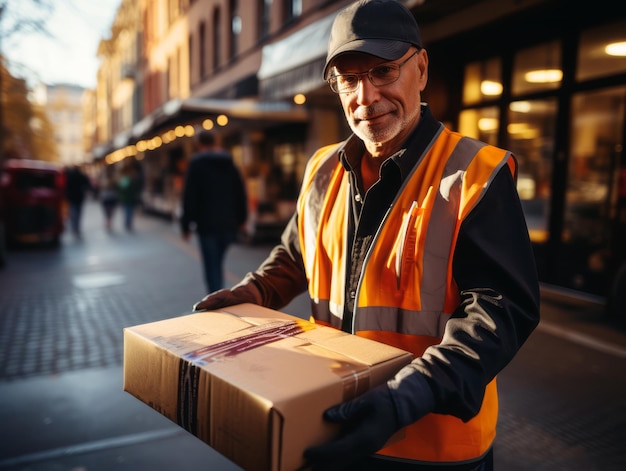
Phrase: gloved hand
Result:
[367,422]
[244,292]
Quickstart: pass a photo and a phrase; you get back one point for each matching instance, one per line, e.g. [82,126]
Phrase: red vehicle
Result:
[32,196]
[3,237]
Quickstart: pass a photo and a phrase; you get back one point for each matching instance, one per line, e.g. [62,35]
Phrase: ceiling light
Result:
[488,124]
[520,106]
[490,88]
[616,49]
[544,76]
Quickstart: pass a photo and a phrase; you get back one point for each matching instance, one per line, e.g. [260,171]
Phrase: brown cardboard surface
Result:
[252,382]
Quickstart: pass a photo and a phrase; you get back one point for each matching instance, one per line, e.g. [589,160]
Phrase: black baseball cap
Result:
[382,28]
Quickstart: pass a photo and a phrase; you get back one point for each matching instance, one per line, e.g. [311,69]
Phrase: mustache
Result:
[369,112]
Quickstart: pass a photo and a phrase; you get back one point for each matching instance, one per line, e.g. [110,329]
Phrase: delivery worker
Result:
[412,235]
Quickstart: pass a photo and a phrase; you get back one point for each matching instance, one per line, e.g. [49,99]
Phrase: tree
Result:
[17,18]
[28,131]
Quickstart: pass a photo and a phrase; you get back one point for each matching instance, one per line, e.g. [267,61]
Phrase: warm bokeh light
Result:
[491,88]
[222,120]
[616,49]
[523,131]
[299,99]
[487,124]
[520,106]
[544,76]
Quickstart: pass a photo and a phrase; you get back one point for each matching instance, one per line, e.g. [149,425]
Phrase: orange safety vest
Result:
[406,290]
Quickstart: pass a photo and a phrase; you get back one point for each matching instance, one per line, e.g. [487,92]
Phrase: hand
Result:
[367,422]
[240,294]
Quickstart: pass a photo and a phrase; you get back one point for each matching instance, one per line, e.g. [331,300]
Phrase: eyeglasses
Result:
[382,74]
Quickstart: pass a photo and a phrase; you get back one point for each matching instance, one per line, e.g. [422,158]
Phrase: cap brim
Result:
[383,48]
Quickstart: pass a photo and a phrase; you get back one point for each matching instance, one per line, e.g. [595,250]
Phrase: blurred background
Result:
[113,84]
[105,84]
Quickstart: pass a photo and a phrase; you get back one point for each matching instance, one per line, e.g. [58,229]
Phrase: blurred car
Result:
[32,201]
[3,246]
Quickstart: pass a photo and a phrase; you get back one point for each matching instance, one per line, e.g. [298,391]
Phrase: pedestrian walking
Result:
[108,195]
[214,204]
[129,192]
[77,186]
[409,234]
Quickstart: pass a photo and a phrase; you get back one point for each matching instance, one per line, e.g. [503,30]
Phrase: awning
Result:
[295,63]
[191,110]
[101,150]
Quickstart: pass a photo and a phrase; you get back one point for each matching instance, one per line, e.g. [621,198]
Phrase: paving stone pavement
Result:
[65,309]
[62,407]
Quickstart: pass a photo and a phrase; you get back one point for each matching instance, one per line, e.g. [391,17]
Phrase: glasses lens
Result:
[380,75]
[344,83]
[384,74]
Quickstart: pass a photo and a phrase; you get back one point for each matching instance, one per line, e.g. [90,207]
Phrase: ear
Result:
[422,66]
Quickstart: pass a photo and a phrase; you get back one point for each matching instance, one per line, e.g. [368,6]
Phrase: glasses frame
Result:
[333,78]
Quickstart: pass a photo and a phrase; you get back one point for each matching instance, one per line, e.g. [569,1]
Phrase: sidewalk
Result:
[77,417]
[81,419]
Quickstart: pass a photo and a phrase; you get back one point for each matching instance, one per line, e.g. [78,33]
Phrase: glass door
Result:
[591,244]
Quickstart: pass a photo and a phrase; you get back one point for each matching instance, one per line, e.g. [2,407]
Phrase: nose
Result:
[367,92]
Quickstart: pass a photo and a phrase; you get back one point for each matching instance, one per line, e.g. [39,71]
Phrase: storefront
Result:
[535,77]
[264,137]
[557,99]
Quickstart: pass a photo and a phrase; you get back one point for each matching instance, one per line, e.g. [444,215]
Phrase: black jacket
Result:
[77,185]
[214,197]
[493,251]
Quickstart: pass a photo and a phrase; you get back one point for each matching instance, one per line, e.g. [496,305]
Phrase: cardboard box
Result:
[252,382]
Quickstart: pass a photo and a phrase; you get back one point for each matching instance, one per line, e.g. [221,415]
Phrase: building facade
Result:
[63,105]
[515,74]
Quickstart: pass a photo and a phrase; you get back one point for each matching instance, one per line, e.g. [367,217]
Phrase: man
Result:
[214,200]
[77,185]
[412,235]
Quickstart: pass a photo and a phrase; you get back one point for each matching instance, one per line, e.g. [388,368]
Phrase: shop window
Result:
[288,158]
[235,28]
[530,131]
[217,39]
[602,52]
[537,69]
[293,9]
[202,50]
[483,81]
[263,15]
[593,190]
[481,123]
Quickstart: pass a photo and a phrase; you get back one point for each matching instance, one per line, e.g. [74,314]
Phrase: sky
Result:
[69,53]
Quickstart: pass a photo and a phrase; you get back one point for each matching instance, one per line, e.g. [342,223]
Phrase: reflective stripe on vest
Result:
[396,304]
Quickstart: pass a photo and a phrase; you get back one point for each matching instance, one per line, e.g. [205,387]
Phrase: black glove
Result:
[367,422]
[244,292]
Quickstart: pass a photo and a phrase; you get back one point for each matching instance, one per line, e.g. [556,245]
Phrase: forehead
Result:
[356,61]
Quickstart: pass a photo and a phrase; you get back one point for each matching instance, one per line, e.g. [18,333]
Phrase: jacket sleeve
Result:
[494,269]
[242,202]
[190,190]
[280,278]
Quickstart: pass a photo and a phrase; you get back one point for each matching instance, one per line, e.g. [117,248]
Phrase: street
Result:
[62,407]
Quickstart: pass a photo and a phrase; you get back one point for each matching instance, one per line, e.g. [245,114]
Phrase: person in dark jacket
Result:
[129,187]
[77,185]
[215,203]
